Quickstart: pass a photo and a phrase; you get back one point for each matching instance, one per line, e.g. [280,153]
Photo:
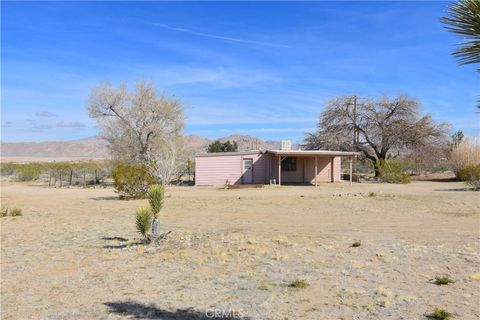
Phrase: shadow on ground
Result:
[458,189]
[137,310]
[121,239]
[106,198]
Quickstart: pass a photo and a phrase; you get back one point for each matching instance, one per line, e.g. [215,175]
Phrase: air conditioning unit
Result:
[286,145]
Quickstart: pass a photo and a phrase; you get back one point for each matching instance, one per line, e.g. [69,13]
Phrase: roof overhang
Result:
[313,153]
[236,153]
[298,153]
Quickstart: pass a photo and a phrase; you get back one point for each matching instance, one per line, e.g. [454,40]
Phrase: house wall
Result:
[306,170]
[215,170]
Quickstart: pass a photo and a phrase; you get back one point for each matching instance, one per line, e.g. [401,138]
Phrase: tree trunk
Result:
[71,177]
[376,167]
[84,179]
[155,228]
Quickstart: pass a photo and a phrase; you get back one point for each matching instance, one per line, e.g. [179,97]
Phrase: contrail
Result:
[209,35]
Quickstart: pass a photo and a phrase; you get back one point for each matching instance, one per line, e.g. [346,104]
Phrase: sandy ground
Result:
[74,254]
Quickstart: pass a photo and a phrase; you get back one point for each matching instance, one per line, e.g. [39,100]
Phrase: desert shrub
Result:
[443,280]
[28,172]
[15,212]
[471,175]
[156,194]
[440,314]
[3,212]
[7,168]
[143,221]
[298,284]
[465,153]
[227,184]
[392,172]
[132,181]
[356,244]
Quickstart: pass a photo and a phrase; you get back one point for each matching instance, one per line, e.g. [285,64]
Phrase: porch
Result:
[307,167]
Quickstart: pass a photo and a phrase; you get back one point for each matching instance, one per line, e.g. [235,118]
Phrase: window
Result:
[247,164]
[289,164]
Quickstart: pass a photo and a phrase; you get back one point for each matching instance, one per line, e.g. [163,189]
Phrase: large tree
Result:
[377,128]
[218,146]
[141,126]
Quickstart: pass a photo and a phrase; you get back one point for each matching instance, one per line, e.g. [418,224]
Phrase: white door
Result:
[247,175]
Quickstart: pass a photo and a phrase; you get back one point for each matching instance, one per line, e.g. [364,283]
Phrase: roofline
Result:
[283,152]
[236,153]
[314,153]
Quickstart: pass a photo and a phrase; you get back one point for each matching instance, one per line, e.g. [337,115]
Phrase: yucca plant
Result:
[156,194]
[143,221]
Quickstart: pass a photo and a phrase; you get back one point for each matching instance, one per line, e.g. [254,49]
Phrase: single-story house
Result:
[270,167]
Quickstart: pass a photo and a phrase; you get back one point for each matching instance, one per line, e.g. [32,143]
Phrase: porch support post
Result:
[332,170]
[316,170]
[279,170]
[351,169]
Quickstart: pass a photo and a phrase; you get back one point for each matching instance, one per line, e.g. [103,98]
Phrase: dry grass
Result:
[466,153]
[81,257]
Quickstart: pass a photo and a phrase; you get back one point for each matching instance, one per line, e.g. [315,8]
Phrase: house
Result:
[270,167]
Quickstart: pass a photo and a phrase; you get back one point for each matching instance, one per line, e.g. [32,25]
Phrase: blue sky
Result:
[258,68]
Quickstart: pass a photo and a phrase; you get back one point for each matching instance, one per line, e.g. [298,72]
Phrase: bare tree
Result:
[376,127]
[140,126]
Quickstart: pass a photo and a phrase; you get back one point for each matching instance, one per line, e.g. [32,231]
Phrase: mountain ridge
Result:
[96,147]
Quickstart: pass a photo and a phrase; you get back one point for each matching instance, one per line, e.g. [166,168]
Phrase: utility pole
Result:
[355,131]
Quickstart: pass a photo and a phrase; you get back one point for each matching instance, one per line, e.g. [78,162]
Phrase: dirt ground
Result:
[75,254]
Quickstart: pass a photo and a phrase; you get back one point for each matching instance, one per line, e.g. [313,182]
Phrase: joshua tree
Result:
[156,195]
[143,221]
[464,20]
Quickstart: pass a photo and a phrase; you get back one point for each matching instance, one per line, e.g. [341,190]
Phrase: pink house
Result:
[270,166]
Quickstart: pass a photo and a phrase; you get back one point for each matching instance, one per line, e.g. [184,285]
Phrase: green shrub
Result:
[392,172]
[28,172]
[143,220]
[443,280]
[132,181]
[471,175]
[298,284]
[156,194]
[440,314]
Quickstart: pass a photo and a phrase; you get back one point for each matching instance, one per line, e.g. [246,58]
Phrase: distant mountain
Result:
[95,147]
[92,147]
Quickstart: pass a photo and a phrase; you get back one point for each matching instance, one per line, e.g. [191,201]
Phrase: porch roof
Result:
[313,153]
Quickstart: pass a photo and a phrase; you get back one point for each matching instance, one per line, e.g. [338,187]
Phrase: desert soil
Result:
[75,254]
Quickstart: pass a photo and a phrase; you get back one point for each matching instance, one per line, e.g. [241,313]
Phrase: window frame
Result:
[289,164]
